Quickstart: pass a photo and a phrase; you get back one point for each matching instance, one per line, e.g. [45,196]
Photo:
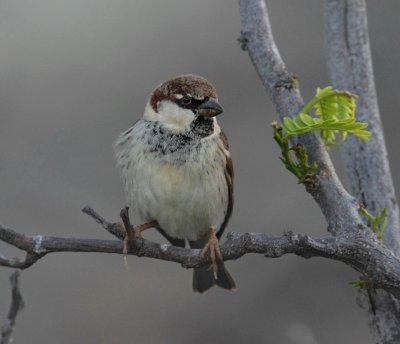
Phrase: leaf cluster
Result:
[297,164]
[334,113]
[361,283]
[378,223]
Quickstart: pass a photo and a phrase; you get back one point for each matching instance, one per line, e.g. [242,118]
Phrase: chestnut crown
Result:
[186,90]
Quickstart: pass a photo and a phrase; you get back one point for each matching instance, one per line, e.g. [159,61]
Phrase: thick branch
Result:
[17,304]
[366,163]
[339,208]
[350,68]
[362,252]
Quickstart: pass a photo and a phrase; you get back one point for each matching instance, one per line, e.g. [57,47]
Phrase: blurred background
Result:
[73,75]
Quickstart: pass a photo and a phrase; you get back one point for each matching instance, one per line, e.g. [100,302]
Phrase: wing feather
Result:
[229,182]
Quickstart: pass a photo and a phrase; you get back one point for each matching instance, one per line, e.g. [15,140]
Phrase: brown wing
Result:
[229,181]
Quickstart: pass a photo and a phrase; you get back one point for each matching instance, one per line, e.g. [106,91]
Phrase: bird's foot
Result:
[120,228]
[128,239]
[212,246]
[140,228]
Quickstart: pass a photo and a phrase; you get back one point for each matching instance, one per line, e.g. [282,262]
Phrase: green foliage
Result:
[378,222]
[334,113]
[298,164]
[364,283]
[361,283]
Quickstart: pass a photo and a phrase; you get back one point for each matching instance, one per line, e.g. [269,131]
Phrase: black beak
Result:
[209,108]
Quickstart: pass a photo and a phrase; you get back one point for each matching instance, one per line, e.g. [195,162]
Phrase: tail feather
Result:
[224,278]
[204,279]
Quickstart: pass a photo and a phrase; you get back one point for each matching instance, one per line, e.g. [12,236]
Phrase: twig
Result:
[129,234]
[127,223]
[17,304]
[112,228]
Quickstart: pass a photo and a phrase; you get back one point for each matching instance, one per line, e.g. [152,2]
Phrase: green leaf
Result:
[287,123]
[378,223]
[334,114]
[308,120]
[294,158]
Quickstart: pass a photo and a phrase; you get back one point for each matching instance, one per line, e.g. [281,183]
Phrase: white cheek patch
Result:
[149,113]
[169,113]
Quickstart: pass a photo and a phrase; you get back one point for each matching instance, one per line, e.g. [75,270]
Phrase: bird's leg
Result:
[137,234]
[129,234]
[140,228]
[120,228]
[212,246]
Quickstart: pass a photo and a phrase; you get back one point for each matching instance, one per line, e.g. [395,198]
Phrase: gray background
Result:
[73,75]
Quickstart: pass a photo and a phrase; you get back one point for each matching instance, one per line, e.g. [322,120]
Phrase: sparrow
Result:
[178,173]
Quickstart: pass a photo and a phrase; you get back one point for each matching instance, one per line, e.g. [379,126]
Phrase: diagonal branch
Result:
[339,208]
[17,304]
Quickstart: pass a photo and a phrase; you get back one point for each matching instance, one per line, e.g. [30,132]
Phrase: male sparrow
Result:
[178,172]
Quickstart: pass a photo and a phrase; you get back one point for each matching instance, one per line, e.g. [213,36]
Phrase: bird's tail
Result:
[204,278]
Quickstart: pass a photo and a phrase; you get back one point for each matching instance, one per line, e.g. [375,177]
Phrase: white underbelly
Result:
[185,200]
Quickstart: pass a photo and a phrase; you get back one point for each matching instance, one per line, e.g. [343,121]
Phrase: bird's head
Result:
[180,101]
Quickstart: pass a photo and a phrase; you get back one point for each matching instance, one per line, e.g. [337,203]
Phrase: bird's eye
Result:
[186,100]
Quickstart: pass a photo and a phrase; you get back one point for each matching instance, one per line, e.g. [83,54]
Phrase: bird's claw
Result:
[126,245]
[215,252]
[138,234]
[129,240]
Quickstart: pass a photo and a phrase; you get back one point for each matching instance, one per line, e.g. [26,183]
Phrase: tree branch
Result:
[339,208]
[361,252]
[17,304]
[366,163]
[350,68]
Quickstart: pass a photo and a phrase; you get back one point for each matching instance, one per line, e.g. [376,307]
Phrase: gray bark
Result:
[350,68]
[366,163]
[374,261]
[338,206]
